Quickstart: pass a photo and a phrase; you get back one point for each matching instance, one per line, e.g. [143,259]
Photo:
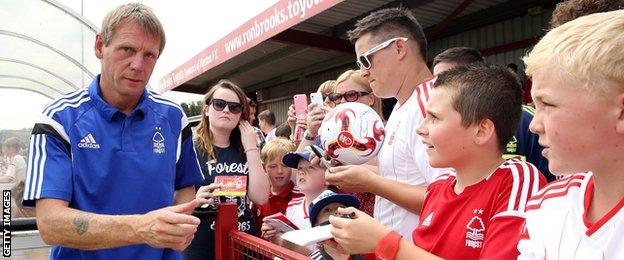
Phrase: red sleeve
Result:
[502,238]
[507,219]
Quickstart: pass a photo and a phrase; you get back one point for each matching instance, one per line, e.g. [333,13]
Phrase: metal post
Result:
[227,220]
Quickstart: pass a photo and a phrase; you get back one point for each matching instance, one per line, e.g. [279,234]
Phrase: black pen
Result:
[350,215]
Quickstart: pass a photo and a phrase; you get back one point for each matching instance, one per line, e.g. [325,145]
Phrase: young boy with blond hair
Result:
[475,211]
[282,188]
[578,89]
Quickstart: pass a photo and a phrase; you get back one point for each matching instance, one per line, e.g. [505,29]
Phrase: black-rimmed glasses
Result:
[220,104]
[349,96]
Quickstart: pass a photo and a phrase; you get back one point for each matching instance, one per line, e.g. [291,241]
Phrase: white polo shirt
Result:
[403,158]
[297,213]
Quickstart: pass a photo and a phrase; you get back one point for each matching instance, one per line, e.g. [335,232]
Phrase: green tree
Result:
[196,108]
[192,108]
[186,109]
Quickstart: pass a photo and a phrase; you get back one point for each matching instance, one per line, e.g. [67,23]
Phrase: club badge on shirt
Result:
[475,228]
[158,142]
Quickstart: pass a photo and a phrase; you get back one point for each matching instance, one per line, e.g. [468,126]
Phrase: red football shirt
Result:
[484,220]
[276,203]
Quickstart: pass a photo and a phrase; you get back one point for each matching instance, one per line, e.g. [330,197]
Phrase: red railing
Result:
[234,244]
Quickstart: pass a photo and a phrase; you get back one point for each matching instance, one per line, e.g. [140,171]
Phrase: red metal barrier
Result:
[226,221]
[234,244]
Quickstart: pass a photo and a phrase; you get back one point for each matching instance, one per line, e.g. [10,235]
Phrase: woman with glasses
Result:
[352,87]
[226,150]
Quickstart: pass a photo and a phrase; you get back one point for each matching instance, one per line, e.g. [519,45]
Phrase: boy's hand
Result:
[350,178]
[268,232]
[359,234]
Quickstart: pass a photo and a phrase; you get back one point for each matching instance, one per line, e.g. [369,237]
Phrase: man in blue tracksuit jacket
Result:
[112,167]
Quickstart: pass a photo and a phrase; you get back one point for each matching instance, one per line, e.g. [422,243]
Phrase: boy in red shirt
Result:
[476,211]
[282,188]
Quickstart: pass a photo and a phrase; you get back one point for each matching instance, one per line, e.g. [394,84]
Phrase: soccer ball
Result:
[352,133]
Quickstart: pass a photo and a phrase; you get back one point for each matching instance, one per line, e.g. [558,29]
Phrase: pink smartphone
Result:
[301,105]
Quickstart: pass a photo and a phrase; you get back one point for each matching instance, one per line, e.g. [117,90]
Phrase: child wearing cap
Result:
[311,182]
[282,188]
[476,211]
[321,208]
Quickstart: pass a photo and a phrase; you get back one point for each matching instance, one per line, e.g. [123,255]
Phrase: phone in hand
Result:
[301,106]
[317,98]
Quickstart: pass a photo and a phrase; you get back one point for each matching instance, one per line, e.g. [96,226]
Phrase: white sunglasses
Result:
[364,63]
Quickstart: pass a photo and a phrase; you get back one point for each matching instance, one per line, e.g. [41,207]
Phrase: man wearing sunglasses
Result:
[390,48]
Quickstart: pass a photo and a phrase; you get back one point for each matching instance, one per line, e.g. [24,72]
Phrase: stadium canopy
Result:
[295,38]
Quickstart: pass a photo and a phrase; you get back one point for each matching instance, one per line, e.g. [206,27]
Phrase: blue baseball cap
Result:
[327,197]
[292,159]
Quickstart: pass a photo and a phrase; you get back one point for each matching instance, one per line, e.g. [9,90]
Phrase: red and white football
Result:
[352,133]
